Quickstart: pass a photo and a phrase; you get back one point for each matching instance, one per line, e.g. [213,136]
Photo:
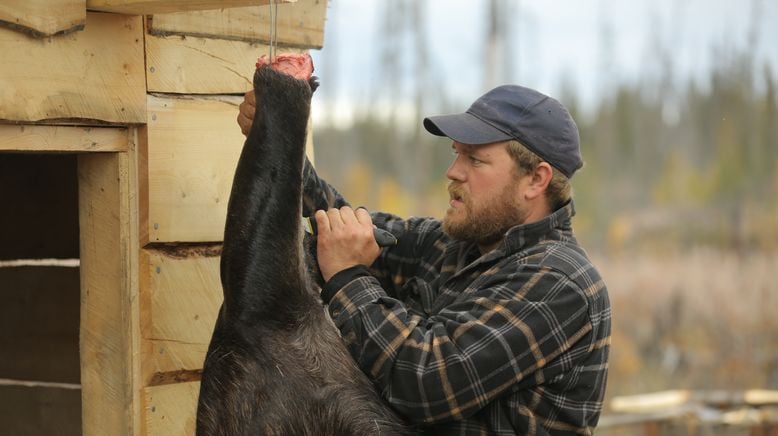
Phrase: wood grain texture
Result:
[95,74]
[193,149]
[145,7]
[41,18]
[109,331]
[163,357]
[299,24]
[170,410]
[184,296]
[192,65]
[193,145]
[62,138]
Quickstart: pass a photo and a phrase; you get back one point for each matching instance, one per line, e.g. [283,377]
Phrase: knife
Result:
[382,237]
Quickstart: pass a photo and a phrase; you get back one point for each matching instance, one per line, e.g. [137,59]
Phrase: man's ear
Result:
[539,180]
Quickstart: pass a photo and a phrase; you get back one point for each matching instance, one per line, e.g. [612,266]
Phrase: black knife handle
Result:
[383,238]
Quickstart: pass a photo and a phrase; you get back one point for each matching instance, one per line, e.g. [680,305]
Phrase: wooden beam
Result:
[164,357]
[650,402]
[184,296]
[110,332]
[760,397]
[146,7]
[299,24]
[171,409]
[97,74]
[62,138]
[193,149]
[41,18]
[192,65]
[180,298]
[720,399]
[193,145]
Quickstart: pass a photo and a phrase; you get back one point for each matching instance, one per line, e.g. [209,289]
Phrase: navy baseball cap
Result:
[537,121]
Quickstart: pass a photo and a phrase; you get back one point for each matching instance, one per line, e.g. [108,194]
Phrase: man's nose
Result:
[455,171]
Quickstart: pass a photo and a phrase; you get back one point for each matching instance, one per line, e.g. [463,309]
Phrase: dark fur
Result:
[276,365]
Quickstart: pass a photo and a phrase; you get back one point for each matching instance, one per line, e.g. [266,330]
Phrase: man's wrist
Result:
[341,279]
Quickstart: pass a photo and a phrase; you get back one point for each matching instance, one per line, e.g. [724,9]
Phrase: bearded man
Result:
[493,320]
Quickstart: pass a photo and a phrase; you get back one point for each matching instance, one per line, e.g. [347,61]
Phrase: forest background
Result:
[678,201]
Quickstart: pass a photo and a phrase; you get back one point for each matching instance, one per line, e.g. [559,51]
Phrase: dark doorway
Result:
[40,289]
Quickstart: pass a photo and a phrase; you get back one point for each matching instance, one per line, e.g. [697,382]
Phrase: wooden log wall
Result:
[191,143]
[143,103]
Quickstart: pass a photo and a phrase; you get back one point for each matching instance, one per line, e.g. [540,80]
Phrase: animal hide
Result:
[275,364]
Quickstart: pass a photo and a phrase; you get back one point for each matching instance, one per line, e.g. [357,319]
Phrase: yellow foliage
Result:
[625,358]
[619,232]
[682,183]
[435,201]
[358,182]
[775,183]
[392,198]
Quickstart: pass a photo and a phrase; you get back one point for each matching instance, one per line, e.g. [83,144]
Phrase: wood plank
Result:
[299,24]
[97,74]
[164,357]
[193,149]
[180,298]
[193,145]
[41,18]
[191,65]
[760,397]
[32,409]
[650,402]
[171,410]
[185,294]
[109,333]
[131,313]
[146,7]
[39,324]
[62,138]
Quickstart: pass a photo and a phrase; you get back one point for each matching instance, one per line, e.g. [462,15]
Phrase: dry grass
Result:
[697,319]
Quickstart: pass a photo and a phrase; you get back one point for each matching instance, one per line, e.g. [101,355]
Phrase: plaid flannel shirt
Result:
[511,342]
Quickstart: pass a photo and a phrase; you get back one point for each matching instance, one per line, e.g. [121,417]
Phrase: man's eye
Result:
[475,160]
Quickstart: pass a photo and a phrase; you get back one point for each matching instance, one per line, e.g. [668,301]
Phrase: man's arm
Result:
[317,193]
[505,335]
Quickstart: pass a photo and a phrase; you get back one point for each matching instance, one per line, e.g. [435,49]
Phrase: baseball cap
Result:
[537,121]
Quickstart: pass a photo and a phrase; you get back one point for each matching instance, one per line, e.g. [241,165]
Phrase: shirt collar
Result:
[524,235]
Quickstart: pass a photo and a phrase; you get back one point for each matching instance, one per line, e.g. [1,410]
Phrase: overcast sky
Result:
[551,42]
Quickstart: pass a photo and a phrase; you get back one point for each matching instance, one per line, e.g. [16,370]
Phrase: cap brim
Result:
[464,128]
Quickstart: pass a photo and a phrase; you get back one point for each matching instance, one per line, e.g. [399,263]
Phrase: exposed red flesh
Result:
[297,65]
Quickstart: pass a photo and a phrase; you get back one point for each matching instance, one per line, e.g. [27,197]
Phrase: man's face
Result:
[484,191]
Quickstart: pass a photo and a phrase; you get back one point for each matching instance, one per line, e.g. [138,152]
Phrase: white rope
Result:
[272,50]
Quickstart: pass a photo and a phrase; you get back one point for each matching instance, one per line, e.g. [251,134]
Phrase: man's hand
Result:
[246,112]
[345,239]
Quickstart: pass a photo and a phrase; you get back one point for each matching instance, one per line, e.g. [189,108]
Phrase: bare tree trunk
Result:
[421,164]
[497,45]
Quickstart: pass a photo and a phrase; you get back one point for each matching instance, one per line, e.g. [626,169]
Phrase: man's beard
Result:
[488,223]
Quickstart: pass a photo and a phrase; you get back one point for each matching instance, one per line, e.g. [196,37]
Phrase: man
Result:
[493,320]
